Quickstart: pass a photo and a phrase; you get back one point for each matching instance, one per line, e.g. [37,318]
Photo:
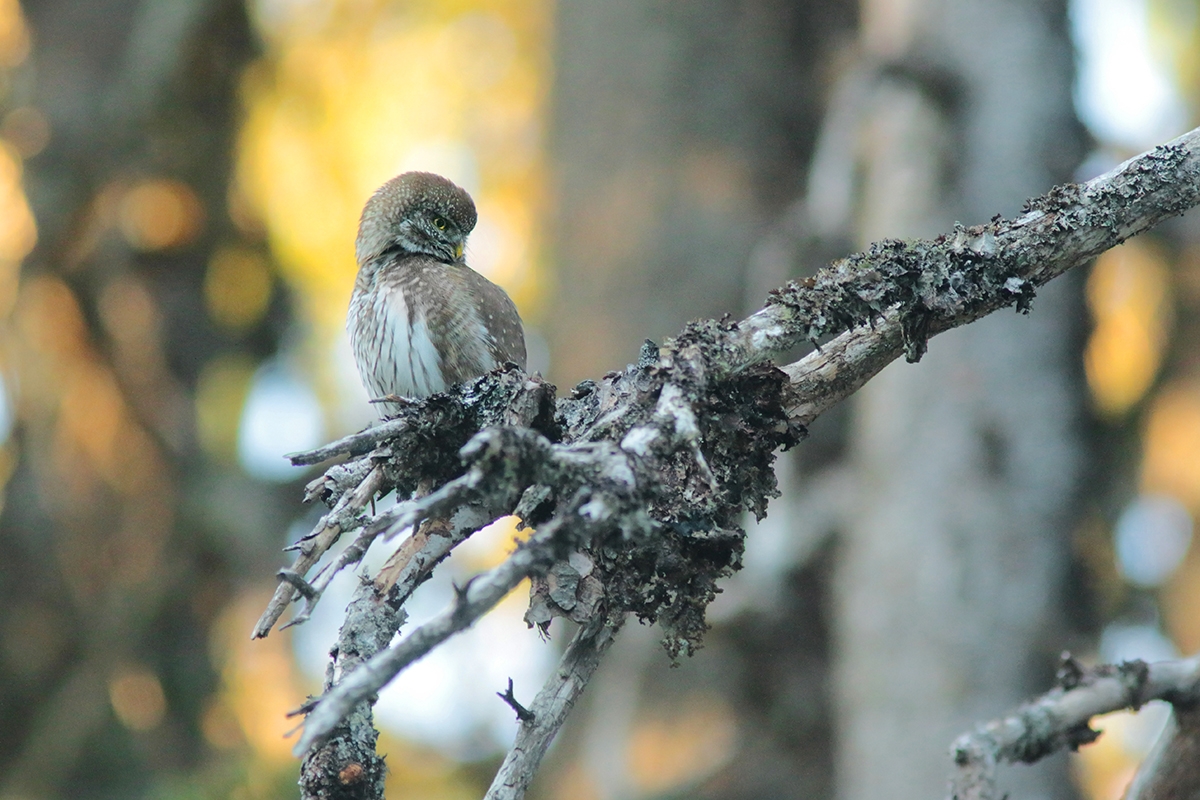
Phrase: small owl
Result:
[420,319]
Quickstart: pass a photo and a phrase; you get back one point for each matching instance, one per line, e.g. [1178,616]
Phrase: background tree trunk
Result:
[951,574]
[681,135]
[680,132]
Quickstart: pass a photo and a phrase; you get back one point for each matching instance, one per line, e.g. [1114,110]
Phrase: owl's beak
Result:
[458,251]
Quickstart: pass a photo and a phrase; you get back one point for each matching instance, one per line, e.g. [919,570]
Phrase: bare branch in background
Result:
[1062,717]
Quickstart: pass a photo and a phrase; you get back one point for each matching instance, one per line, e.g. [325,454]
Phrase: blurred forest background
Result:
[180,182]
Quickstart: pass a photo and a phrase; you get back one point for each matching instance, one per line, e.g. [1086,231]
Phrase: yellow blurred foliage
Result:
[220,725]
[1171,445]
[574,782]
[490,545]
[415,771]
[1126,292]
[50,327]
[353,92]
[14,34]
[1180,601]
[18,231]
[1171,465]
[259,684]
[134,321]
[90,415]
[74,387]
[1104,768]
[1175,33]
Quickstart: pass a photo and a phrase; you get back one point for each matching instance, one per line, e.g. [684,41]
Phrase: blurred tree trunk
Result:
[951,575]
[681,134]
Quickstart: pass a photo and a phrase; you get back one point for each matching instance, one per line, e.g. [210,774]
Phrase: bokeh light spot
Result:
[1126,292]
[1152,537]
[220,726]
[1125,91]
[159,214]
[281,415]
[27,129]
[237,288]
[137,698]
[129,312]
[1171,446]
[665,752]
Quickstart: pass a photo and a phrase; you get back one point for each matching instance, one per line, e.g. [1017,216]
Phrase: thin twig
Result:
[523,713]
[552,705]
[403,515]
[331,526]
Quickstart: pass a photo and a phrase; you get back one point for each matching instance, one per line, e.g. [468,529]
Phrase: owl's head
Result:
[417,212]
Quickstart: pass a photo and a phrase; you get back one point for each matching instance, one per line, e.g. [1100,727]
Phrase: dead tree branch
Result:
[891,299]
[636,483]
[1062,717]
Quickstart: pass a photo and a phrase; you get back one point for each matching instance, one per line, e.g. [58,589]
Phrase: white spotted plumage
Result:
[398,356]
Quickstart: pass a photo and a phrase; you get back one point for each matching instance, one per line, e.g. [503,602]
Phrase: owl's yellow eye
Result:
[439,223]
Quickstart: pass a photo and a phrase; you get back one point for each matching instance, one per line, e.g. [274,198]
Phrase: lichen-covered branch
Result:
[1061,718]
[473,601]
[888,301]
[594,508]
[636,484]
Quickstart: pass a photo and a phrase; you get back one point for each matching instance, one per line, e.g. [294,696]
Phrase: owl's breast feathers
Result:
[419,326]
